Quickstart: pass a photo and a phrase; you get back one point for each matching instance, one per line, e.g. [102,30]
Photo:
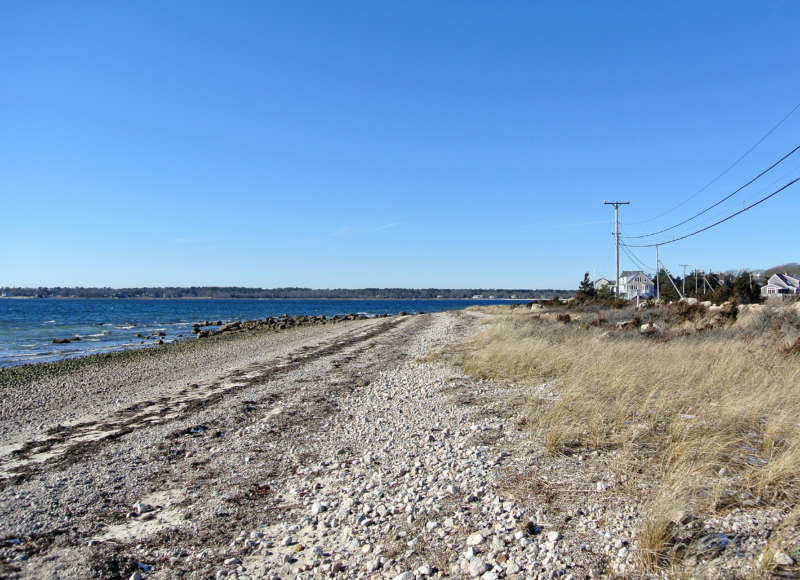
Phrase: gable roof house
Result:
[601,283]
[633,283]
[781,284]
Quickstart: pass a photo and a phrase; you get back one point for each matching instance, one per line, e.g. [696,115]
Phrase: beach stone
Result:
[648,329]
[477,567]
[553,536]
[781,558]
[140,508]
[404,576]
[425,570]
[475,539]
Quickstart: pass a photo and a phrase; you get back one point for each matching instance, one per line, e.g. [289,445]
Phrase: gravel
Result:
[325,451]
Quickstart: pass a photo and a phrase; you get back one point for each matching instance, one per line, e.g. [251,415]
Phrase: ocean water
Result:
[28,327]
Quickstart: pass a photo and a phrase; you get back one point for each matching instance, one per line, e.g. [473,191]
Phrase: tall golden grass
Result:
[712,418]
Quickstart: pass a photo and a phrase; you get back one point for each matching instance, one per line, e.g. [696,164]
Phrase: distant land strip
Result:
[231,292]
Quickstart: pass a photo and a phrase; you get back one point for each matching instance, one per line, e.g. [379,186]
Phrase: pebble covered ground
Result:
[346,453]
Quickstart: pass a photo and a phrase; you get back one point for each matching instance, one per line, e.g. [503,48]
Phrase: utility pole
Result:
[658,278]
[669,277]
[695,282]
[684,276]
[616,205]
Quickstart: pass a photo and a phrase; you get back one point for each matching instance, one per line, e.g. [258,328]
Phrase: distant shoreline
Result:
[239,298]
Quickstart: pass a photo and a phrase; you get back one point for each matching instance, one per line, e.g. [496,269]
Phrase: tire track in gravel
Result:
[65,445]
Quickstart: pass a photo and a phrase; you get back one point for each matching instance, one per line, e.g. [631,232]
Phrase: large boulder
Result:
[648,329]
[729,309]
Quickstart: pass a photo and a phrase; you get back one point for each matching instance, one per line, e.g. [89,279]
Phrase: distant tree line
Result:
[742,286]
[297,293]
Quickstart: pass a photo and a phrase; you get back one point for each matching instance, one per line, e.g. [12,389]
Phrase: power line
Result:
[769,184]
[731,166]
[724,199]
[716,223]
[636,261]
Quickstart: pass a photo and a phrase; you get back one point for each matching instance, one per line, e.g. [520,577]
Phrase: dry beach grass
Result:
[703,423]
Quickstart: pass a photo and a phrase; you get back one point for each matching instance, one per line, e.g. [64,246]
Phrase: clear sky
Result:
[413,144]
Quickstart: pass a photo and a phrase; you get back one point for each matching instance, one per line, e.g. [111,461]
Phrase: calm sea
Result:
[28,327]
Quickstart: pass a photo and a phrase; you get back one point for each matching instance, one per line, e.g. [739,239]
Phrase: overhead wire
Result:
[635,260]
[725,172]
[724,199]
[776,181]
[718,222]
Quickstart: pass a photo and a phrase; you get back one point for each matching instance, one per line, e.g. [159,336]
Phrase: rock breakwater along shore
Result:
[334,451]
[272,323]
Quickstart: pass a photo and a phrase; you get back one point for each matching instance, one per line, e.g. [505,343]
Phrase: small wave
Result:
[30,357]
[126,327]
[49,322]
[95,335]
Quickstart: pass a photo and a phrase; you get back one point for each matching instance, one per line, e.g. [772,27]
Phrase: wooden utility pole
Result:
[616,205]
[658,278]
[684,276]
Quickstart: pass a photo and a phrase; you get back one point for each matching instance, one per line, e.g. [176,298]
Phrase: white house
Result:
[781,284]
[602,283]
[633,283]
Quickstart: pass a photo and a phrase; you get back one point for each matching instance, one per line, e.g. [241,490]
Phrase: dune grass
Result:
[712,418]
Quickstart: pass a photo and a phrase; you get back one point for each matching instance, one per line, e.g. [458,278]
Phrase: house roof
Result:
[631,273]
[785,280]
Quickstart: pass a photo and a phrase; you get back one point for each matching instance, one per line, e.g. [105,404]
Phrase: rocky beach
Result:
[327,451]
[318,451]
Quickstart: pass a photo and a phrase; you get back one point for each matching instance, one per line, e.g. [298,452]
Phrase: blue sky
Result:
[414,144]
